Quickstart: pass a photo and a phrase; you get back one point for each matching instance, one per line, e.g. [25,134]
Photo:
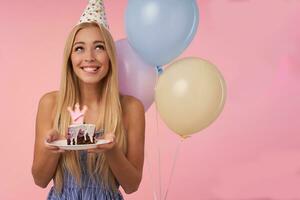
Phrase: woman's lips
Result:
[90,70]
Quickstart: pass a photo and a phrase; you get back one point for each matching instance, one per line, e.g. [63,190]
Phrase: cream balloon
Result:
[190,95]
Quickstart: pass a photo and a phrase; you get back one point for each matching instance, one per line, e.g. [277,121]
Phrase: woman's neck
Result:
[90,95]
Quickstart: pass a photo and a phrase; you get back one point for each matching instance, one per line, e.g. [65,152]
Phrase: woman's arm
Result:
[45,159]
[128,169]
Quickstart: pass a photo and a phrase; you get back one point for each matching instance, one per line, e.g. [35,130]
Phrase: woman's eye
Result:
[100,47]
[78,49]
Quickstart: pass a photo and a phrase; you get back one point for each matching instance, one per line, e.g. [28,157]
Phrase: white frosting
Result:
[88,129]
[91,131]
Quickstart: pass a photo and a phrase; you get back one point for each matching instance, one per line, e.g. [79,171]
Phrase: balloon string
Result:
[151,177]
[172,170]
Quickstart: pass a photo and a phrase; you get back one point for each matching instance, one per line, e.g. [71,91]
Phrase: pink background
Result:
[250,152]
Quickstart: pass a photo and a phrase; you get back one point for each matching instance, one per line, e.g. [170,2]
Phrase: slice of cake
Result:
[78,132]
[81,134]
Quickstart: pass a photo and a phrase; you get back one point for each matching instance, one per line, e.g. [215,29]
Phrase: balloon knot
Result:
[159,69]
[183,137]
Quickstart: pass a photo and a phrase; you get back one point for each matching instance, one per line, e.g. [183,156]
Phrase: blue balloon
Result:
[160,30]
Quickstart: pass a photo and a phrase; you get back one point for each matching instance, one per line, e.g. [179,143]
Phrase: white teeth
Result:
[90,69]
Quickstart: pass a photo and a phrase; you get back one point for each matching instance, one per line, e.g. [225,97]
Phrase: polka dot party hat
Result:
[94,12]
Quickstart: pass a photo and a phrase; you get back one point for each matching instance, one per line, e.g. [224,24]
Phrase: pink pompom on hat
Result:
[94,12]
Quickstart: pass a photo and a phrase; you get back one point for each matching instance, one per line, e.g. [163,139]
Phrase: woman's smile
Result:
[91,69]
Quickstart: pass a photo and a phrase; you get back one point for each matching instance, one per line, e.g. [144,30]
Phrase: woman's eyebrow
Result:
[99,41]
[75,43]
[80,42]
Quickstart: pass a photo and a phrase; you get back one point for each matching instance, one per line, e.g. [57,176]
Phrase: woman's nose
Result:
[89,56]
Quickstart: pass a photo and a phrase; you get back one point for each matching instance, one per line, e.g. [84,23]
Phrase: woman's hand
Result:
[52,136]
[102,148]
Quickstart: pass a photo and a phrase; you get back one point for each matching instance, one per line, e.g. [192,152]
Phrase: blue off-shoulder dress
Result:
[89,190]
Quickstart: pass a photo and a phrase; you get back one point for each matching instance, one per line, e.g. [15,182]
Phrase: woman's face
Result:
[89,57]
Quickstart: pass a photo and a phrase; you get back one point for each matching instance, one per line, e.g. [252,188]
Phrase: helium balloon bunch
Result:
[190,93]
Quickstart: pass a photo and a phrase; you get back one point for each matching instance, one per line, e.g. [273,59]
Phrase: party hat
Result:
[94,12]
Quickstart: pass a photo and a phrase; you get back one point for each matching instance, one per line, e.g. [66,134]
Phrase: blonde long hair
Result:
[110,113]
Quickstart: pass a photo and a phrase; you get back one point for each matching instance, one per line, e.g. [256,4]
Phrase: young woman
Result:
[89,77]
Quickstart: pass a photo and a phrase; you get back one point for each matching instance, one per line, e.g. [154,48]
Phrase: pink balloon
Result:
[136,77]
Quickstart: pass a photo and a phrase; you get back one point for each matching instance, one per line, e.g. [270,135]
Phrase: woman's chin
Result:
[90,81]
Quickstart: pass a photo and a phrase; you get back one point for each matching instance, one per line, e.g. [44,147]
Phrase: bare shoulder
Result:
[49,98]
[133,115]
[47,103]
[132,104]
